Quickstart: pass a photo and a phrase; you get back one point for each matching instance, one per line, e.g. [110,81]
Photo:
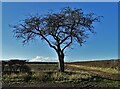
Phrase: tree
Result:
[60,30]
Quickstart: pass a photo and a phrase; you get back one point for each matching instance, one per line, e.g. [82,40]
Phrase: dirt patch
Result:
[104,74]
[54,86]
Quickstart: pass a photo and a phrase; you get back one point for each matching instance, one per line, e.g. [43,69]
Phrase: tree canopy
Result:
[63,28]
[60,30]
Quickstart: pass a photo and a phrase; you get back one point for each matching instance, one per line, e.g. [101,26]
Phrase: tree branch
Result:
[64,39]
[67,44]
[71,32]
[42,36]
[48,42]
[45,39]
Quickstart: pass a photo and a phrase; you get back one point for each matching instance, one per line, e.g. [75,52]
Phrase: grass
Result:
[47,73]
[107,70]
[71,77]
[47,76]
[113,63]
[43,67]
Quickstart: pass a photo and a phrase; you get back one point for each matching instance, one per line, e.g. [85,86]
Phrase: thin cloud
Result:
[43,59]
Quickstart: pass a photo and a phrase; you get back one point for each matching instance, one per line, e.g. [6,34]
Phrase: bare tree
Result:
[60,30]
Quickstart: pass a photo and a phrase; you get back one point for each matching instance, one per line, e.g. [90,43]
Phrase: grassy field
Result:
[78,74]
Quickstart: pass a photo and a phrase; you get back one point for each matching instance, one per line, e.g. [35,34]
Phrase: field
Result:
[78,75]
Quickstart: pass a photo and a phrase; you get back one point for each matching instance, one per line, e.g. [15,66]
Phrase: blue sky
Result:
[102,45]
[60,0]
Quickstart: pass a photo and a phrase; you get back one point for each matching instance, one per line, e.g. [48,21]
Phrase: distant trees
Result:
[60,30]
[15,66]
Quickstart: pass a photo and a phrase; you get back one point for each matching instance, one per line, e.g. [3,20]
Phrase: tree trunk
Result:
[61,62]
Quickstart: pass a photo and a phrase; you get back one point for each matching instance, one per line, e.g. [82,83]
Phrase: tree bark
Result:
[61,61]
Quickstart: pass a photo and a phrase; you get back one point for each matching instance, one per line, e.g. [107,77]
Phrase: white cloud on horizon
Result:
[43,59]
[53,59]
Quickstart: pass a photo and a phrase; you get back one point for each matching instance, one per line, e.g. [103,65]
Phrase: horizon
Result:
[28,60]
[103,45]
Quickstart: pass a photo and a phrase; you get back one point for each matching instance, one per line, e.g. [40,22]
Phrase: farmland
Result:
[85,75]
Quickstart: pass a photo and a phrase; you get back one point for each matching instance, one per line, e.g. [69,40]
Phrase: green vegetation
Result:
[107,70]
[114,63]
[74,74]
[58,77]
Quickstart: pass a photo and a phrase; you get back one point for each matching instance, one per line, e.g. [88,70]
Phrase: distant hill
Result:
[113,63]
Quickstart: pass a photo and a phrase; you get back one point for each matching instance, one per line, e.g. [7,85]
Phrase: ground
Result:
[77,75]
